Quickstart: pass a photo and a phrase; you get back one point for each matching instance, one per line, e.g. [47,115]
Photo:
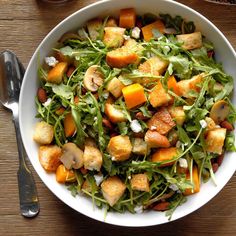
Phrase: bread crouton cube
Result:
[158,96]
[140,147]
[190,41]
[156,140]
[215,140]
[140,182]
[43,133]
[188,85]
[111,22]
[115,115]
[49,157]
[165,154]
[162,121]
[113,37]
[112,189]
[92,158]
[94,27]
[87,186]
[120,148]
[178,114]
[115,87]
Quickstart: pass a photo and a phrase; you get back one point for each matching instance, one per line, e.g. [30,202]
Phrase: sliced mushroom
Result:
[93,78]
[72,156]
[219,111]
[68,35]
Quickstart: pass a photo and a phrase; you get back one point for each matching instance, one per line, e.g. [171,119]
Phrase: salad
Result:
[134,112]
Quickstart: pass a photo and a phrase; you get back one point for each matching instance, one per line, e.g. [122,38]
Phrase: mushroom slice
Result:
[93,78]
[219,111]
[72,156]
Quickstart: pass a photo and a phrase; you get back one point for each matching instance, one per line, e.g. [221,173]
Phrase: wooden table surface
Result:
[23,24]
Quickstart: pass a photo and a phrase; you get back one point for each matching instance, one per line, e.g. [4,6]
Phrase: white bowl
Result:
[224,54]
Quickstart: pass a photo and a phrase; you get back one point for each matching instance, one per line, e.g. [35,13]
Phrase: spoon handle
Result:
[29,204]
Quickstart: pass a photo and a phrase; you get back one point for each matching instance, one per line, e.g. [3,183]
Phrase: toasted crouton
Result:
[140,182]
[43,133]
[111,22]
[112,189]
[165,154]
[158,96]
[92,158]
[155,139]
[115,115]
[140,147]
[215,140]
[162,121]
[49,157]
[87,186]
[178,114]
[94,27]
[114,37]
[188,85]
[115,87]
[190,41]
[119,147]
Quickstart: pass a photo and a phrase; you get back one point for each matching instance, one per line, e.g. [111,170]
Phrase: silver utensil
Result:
[11,75]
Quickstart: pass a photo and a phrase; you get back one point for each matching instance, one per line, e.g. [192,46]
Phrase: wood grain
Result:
[23,24]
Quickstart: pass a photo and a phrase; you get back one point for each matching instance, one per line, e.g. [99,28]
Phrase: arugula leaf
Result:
[61,90]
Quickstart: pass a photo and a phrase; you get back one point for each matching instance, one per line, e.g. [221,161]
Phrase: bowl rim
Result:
[153,223]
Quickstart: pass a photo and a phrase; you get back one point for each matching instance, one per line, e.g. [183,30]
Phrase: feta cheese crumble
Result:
[174,187]
[113,158]
[135,126]
[98,179]
[138,209]
[129,177]
[152,128]
[47,103]
[203,123]
[135,33]
[126,37]
[51,61]
[183,163]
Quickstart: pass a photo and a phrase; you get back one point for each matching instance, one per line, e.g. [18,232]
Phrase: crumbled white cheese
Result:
[135,126]
[174,187]
[105,94]
[51,61]
[183,163]
[95,118]
[152,128]
[135,33]
[217,126]
[203,123]
[47,103]
[178,144]
[129,177]
[98,179]
[113,158]
[138,209]
[126,37]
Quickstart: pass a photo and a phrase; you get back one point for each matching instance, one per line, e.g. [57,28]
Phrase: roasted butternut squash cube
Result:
[193,84]
[113,189]
[134,95]
[140,182]
[115,115]
[156,140]
[49,157]
[120,148]
[140,147]
[115,87]
[196,187]
[113,37]
[162,121]
[55,75]
[158,96]
[92,158]
[63,175]
[147,30]
[127,18]
[69,125]
[190,41]
[165,154]
[43,133]
[94,27]
[178,114]
[215,140]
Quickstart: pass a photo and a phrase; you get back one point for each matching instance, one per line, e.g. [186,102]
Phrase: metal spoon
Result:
[11,75]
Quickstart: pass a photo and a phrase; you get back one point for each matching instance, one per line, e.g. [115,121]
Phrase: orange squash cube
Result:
[173,85]
[63,175]
[69,125]
[55,75]
[148,29]
[127,18]
[134,95]
[196,182]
